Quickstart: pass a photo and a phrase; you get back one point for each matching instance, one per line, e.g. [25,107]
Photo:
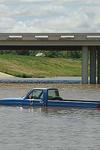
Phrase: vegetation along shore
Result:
[29,66]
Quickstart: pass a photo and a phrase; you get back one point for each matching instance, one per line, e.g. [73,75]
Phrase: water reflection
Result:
[60,110]
[49,128]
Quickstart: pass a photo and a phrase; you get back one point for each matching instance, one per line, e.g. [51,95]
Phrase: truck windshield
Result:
[36,94]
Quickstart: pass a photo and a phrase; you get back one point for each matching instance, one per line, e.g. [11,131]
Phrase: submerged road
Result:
[4,78]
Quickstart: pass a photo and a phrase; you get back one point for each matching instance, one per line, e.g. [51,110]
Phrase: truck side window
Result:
[53,95]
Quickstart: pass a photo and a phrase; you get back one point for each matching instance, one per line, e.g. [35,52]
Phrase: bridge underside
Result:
[39,47]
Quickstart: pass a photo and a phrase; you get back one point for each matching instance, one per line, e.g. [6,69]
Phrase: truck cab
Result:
[42,96]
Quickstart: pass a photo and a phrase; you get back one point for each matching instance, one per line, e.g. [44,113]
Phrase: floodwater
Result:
[50,129]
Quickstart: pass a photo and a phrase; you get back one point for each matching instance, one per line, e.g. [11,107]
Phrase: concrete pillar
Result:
[85,64]
[93,66]
[98,67]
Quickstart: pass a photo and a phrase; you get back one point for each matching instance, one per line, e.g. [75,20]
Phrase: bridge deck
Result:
[48,40]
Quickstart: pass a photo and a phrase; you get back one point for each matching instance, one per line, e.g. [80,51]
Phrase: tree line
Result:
[52,54]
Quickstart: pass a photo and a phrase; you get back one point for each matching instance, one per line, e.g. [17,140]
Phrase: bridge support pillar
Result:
[85,65]
[93,66]
[98,67]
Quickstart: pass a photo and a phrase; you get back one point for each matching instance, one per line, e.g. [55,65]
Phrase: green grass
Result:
[30,66]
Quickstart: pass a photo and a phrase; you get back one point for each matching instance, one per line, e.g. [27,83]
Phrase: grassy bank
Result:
[30,66]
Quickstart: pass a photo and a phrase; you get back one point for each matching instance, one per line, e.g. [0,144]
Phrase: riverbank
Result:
[39,67]
[6,78]
[30,69]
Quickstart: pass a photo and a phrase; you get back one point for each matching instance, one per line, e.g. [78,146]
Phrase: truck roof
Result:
[46,88]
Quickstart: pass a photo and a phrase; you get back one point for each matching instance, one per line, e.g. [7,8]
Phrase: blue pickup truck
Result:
[47,97]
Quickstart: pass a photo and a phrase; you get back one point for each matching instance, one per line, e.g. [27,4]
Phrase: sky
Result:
[49,16]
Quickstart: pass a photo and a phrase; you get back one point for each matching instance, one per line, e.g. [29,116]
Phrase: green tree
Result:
[74,54]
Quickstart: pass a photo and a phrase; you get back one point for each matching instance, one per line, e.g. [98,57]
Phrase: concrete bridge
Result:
[89,43]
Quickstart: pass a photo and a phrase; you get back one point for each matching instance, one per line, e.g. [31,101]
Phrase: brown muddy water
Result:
[50,129]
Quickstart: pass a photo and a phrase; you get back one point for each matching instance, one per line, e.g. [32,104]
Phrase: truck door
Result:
[35,97]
